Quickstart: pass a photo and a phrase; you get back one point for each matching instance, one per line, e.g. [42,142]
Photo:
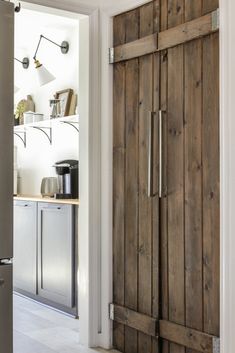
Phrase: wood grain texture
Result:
[210,5]
[137,321]
[137,48]
[145,203]
[131,180]
[193,186]
[175,178]
[193,176]
[184,336]
[185,32]
[211,184]
[119,182]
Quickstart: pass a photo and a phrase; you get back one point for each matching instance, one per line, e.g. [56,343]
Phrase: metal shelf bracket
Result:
[71,123]
[23,139]
[44,131]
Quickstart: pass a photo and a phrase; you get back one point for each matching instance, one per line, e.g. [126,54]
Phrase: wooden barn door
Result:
[166,178]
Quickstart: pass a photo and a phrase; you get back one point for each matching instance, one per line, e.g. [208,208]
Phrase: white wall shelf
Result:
[46,126]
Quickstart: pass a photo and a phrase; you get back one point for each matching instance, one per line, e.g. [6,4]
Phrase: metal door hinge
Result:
[111,55]
[216,345]
[111,312]
[215,20]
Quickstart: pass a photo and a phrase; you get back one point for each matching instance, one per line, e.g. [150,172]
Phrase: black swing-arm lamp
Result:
[64,47]
[44,76]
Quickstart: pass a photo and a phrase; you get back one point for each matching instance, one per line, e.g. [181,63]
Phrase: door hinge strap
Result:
[215,20]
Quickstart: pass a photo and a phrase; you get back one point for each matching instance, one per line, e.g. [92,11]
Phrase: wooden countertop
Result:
[46,199]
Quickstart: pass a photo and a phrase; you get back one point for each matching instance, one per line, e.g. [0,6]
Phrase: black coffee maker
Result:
[67,172]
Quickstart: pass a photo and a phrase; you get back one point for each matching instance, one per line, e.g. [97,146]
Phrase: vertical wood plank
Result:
[176,189]
[145,203]
[211,187]
[155,201]
[210,5]
[193,186]
[193,176]
[163,203]
[176,174]
[131,226]
[119,182]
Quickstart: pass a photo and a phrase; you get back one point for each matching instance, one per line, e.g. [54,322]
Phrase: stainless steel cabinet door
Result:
[6,326]
[6,127]
[25,246]
[56,253]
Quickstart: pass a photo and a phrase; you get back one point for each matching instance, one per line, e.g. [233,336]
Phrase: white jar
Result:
[28,117]
[37,117]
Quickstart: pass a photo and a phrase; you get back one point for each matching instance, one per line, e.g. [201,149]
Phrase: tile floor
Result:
[38,329]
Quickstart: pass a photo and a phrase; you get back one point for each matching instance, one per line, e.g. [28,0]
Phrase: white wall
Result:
[29,25]
[36,160]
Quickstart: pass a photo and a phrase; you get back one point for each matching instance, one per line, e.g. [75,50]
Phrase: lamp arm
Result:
[18,60]
[49,40]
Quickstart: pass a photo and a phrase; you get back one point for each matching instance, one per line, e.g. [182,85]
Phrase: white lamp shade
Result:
[16,89]
[44,76]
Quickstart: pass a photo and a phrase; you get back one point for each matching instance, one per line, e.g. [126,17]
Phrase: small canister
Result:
[28,117]
[37,117]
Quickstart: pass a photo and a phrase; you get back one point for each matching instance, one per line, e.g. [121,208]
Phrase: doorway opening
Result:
[46,174]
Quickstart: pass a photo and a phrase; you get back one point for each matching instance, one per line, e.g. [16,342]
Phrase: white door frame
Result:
[100,205]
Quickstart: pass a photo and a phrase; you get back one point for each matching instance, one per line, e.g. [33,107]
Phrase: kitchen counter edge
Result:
[46,199]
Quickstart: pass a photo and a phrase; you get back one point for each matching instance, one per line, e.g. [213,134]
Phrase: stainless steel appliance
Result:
[67,172]
[6,175]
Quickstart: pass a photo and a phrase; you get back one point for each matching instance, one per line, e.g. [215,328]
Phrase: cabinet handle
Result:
[150,153]
[2,281]
[160,154]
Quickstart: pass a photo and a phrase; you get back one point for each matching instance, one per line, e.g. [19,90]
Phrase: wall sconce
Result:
[44,76]
[24,62]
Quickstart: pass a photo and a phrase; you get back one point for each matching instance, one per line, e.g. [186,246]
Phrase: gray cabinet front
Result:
[6,325]
[25,246]
[56,253]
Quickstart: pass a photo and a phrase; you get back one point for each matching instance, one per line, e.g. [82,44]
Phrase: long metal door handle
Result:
[160,154]
[150,154]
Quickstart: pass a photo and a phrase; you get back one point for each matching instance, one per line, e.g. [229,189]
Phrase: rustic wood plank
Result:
[176,188]
[185,32]
[163,202]
[193,175]
[175,176]
[211,186]
[155,202]
[145,203]
[193,186]
[193,9]
[175,10]
[210,5]
[131,181]
[140,47]
[119,182]
[184,336]
[136,320]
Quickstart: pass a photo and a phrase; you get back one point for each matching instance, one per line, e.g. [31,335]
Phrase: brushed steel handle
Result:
[160,154]
[150,153]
